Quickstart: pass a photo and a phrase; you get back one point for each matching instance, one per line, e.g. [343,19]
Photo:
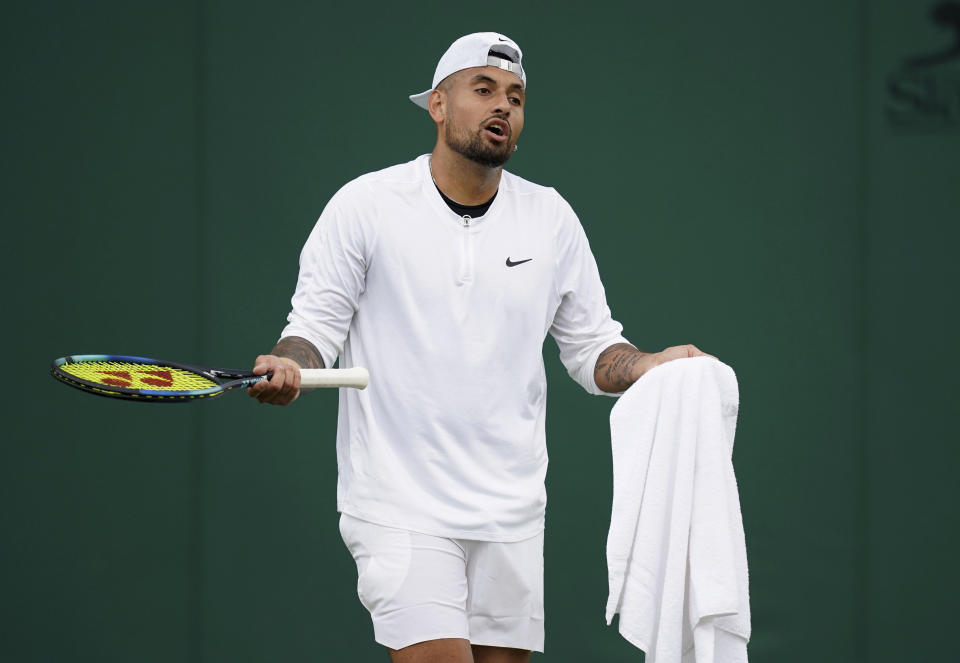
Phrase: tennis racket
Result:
[154,381]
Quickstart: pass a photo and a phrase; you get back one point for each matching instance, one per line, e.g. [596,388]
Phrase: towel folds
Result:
[676,553]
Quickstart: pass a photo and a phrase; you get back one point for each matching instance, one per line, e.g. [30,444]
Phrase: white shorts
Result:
[419,587]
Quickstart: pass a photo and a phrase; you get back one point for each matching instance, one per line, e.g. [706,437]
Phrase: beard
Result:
[475,147]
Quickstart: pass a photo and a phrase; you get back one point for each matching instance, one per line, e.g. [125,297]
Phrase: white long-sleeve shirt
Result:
[449,314]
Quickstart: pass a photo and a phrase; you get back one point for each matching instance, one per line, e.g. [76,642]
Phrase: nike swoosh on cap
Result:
[511,263]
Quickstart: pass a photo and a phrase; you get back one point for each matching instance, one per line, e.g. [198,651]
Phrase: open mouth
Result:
[498,130]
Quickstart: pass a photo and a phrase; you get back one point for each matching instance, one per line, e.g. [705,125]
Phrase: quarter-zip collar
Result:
[433,194]
[473,211]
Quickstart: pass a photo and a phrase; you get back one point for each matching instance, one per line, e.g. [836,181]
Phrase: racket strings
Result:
[131,375]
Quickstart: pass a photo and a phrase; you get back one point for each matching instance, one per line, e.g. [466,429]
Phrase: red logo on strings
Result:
[119,379]
[125,379]
[159,379]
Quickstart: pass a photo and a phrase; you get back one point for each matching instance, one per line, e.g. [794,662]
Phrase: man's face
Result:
[484,114]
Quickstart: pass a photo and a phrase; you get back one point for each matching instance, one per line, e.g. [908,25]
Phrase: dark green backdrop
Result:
[774,182]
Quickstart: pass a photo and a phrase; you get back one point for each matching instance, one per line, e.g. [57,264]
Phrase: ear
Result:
[437,105]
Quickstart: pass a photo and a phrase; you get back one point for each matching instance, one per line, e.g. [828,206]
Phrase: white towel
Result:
[676,554]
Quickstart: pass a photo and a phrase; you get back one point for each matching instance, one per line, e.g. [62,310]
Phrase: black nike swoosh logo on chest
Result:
[511,263]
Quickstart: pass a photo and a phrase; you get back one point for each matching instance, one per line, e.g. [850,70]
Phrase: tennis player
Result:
[443,277]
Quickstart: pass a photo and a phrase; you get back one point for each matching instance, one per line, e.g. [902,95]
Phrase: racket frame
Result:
[237,379]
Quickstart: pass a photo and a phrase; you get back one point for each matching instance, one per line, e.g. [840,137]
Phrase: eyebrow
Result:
[483,78]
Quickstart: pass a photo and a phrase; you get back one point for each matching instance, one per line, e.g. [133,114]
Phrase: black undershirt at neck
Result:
[473,211]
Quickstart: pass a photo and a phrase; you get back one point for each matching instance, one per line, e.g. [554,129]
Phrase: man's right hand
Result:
[283,387]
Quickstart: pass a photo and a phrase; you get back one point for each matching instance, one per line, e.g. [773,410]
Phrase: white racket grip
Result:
[356,377]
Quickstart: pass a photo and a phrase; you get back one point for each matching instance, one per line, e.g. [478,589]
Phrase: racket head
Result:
[144,379]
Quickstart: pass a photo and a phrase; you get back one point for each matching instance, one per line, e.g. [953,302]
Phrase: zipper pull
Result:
[466,220]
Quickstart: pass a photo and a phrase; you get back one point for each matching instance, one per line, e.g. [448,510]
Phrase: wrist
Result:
[643,364]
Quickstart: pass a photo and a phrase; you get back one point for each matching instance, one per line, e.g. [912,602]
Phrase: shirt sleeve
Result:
[333,265]
[582,325]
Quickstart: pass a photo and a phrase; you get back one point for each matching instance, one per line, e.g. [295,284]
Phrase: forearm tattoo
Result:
[615,366]
[300,350]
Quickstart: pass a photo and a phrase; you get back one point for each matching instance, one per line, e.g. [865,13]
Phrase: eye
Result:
[483,90]
[515,101]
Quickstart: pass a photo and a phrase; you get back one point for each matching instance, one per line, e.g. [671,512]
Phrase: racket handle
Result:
[357,377]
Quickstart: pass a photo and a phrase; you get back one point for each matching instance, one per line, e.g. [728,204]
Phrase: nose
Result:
[502,106]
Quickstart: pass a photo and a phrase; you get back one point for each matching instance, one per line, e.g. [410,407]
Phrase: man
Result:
[443,276]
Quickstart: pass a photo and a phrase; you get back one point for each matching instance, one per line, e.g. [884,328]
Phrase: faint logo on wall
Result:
[924,95]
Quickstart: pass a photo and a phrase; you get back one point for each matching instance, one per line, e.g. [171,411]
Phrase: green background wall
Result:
[771,181]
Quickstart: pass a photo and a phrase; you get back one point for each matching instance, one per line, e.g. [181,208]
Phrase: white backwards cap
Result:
[474,51]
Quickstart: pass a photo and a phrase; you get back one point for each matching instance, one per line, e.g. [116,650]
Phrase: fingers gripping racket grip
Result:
[357,377]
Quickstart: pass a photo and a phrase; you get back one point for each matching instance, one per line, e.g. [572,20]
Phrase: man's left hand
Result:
[620,365]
